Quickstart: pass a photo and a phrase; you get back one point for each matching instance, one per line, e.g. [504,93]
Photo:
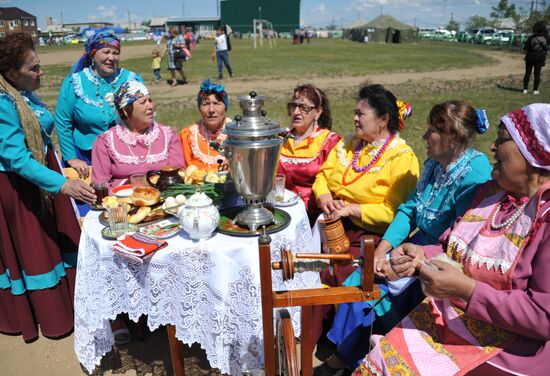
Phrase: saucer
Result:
[107,234]
[290,199]
[123,190]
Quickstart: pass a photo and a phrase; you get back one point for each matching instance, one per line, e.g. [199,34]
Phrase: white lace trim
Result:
[372,368]
[468,254]
[299,161]
[131,138]
[79,91]
[150,158]
[208,159]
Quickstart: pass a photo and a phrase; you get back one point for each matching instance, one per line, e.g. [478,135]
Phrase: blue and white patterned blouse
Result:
[81,113]
[441,195]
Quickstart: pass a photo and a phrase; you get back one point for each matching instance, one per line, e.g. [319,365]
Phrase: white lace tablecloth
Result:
[209,290]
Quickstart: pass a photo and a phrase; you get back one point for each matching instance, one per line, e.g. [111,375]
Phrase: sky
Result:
[316,13]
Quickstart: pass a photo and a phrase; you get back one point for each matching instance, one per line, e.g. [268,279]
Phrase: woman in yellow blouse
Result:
[366,176]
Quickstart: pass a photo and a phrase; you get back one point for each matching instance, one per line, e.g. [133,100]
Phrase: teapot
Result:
[168,176]
[199,217]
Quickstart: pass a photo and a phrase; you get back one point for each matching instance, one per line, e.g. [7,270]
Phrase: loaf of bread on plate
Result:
[139,215]
[146,196]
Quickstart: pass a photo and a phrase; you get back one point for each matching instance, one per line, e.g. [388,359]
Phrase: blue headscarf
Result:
[102,38]
[208,88]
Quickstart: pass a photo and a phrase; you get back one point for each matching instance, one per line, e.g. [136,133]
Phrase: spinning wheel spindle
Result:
[291,263]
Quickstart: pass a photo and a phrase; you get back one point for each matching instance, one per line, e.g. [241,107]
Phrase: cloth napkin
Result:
[138,245]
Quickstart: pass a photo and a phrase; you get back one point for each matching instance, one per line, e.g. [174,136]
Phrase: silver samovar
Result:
[252,149]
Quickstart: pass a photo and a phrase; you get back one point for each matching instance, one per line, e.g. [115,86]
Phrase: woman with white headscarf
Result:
[487,314]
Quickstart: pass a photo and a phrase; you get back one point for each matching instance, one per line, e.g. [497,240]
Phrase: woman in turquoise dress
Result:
[39,231]
[82,113]
[451,174]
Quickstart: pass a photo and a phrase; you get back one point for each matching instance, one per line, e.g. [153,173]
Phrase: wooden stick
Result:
[307,340]
[267,304]
[176,351]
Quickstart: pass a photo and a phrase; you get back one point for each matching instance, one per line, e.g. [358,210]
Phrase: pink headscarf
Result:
[530,129]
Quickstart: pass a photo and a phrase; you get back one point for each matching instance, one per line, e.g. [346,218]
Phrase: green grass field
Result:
[338,58]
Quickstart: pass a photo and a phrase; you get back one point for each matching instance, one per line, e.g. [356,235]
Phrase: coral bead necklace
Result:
[363,170]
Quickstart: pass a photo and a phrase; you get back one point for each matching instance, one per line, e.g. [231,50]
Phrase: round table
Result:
[209,290]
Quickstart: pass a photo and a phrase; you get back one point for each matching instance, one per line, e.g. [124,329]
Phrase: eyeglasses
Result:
[304,108]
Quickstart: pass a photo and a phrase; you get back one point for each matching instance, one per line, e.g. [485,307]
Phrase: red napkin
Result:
[138,245]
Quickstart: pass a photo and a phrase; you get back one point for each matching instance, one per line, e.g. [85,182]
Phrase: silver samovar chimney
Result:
[252,148]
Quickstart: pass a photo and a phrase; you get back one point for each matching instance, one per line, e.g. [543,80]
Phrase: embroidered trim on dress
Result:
[208,159]
[306,160]
[397,141]
[444,179]
[151,158]
[458,247]
[344,161]
[79,91]
[371,367]
[131,138]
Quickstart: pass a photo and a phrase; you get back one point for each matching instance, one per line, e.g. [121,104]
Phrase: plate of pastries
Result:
[143,205]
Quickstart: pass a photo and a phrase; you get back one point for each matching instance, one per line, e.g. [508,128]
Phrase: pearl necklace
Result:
[510,220]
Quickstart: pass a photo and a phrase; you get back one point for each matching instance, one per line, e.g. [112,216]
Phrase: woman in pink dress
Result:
[303,155]
[487,312]
[136,144]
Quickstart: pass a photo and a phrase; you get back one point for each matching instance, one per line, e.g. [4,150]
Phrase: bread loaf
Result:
[146,196]
[139,215]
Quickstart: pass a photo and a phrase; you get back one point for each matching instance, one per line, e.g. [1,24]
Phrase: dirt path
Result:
[505,64]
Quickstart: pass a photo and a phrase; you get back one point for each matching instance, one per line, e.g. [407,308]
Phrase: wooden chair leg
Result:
[307,340]
[176,351]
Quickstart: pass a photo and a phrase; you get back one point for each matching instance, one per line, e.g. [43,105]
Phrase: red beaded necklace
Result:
[363,170]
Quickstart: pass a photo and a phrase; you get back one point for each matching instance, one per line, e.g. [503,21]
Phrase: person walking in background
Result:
[187,37]
[221,53]
[157,58]
[536,48]
[176,56]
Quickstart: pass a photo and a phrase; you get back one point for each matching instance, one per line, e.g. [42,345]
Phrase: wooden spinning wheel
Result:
[287,356]
[280,351]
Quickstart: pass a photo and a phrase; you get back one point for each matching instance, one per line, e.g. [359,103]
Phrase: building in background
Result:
[284,15]
[202,26]
[13,19]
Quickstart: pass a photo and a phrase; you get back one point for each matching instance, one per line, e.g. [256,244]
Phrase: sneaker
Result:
[536,92]
[524,91]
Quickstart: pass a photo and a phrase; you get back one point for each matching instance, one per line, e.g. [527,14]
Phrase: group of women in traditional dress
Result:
[487,316]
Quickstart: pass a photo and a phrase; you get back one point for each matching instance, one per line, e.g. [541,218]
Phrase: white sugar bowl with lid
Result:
[199,217]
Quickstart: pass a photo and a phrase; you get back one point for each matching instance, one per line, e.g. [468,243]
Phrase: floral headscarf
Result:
[127,93]
[208,88]
[102,38]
